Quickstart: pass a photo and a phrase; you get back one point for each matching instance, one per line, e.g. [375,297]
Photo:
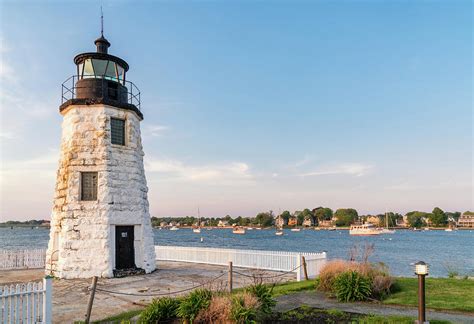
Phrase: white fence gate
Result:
[22,259]
[255,259]
[26,303]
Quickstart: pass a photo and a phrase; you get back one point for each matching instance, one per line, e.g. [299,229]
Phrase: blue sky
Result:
[251,106]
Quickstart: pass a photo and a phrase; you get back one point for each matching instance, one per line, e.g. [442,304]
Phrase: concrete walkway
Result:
[319,300]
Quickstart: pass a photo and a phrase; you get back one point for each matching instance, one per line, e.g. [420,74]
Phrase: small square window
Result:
[88,185]
[117,129]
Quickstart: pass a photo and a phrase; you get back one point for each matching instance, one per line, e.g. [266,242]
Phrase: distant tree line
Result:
[340,217]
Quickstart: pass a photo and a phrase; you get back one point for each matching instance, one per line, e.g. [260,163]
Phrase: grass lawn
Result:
[294,286]
[441,293]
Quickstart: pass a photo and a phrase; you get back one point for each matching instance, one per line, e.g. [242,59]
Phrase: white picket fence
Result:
[26,303]
[254,259]
[22,259]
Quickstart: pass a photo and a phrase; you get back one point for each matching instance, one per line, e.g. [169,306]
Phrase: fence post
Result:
[47,300]
[298,270]
[304,268]
[230,277]
[91,300]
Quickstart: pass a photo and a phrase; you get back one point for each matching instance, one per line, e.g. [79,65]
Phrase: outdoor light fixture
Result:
[421,269]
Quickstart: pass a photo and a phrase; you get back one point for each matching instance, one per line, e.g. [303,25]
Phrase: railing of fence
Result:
[255,259]
[22,259]
[26,303]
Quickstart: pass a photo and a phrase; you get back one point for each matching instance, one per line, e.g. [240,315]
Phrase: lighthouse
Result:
[100,221]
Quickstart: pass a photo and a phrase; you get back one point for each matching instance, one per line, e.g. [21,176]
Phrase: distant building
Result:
[373,220]
[223,223]
[402,222]
[466,220]
[308,221]
[326,223]
[280,221]
[163,224]
[293,221]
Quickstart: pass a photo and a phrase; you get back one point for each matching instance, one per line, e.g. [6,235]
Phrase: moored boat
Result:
[197,230]
[238,230]
[296,229]
[173,228]
[364,230]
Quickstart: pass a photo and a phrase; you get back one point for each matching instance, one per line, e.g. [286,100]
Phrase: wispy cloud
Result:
[353,169]
[219,174]
[154,130]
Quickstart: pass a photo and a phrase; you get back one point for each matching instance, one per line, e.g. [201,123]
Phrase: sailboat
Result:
[386,230]
[197,229]
[279,231]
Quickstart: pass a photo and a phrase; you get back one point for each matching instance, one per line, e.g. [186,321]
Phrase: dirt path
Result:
[319,300]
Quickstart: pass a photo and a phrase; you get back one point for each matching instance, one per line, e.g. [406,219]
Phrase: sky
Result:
[252,106]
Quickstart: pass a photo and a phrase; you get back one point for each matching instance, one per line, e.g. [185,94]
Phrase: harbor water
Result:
[443,251]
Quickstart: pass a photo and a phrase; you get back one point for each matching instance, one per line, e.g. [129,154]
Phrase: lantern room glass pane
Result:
[88,69]
[80,66]
[110,72]
[120,73]
[99,67]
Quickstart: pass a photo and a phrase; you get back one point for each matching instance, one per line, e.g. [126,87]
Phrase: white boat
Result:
[296,229]
[197,229]
[426,228]
[364,230]
[174,228]
[238,230]
[249,228]
[279,233]
[448,230]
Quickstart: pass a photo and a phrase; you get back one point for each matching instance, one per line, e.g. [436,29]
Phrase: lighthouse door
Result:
[124,249]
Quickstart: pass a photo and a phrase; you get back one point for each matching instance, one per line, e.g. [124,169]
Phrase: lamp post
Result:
[421,269]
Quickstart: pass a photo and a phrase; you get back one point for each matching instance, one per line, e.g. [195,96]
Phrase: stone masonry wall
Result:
[82,237]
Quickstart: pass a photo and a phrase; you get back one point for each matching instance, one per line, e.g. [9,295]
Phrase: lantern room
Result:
[101,78]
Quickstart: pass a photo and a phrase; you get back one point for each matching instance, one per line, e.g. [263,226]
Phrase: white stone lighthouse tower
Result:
[100,223]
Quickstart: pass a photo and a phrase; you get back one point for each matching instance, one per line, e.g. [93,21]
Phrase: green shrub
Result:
[159,310]
[352,286]
[244,308]
[191,305]
[264,296]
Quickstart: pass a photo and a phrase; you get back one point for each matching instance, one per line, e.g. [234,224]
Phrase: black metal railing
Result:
[69,89]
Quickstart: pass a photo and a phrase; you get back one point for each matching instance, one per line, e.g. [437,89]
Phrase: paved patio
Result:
[70,296]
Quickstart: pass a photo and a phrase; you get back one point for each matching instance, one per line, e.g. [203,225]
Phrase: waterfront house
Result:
[466,220]
[293,221]
[308,221]
[327,223]
[163,224]
[371,219]
[280,221]
[223,223]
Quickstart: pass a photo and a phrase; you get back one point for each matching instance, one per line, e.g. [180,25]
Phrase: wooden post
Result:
[91,300]
[304,268]
[230,277]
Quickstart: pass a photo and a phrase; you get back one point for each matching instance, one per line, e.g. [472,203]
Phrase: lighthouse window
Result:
[80,67]
[88,185]
[117,130]
[88,69]
[110,72]
[120,73]
[99,67]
